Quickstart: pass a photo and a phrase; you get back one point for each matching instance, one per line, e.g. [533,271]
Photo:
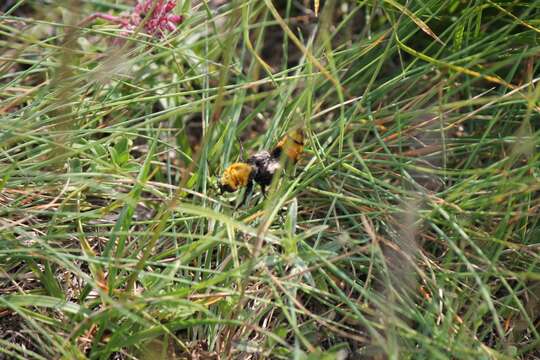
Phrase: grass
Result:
[409,229]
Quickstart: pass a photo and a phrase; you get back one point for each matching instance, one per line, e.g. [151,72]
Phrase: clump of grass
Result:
[408,230]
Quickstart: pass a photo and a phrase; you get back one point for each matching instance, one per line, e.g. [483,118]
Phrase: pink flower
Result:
[156,14]
[160,20]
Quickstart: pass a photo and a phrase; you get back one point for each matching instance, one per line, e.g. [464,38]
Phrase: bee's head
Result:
[225,182]
[224,187]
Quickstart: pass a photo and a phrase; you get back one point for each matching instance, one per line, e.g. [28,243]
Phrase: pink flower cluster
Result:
[160,20]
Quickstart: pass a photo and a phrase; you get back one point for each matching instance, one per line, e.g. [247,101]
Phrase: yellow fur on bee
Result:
[236,175]
[293,144]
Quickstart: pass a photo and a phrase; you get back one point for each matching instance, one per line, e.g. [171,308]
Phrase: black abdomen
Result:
[265,166]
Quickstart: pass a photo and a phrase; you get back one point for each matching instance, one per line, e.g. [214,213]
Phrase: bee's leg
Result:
[249,189]
[263,192]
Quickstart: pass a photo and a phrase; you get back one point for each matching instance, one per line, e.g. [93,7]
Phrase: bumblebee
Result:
[261,167]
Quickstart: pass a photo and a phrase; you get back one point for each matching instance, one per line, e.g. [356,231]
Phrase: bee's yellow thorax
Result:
[236,175]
